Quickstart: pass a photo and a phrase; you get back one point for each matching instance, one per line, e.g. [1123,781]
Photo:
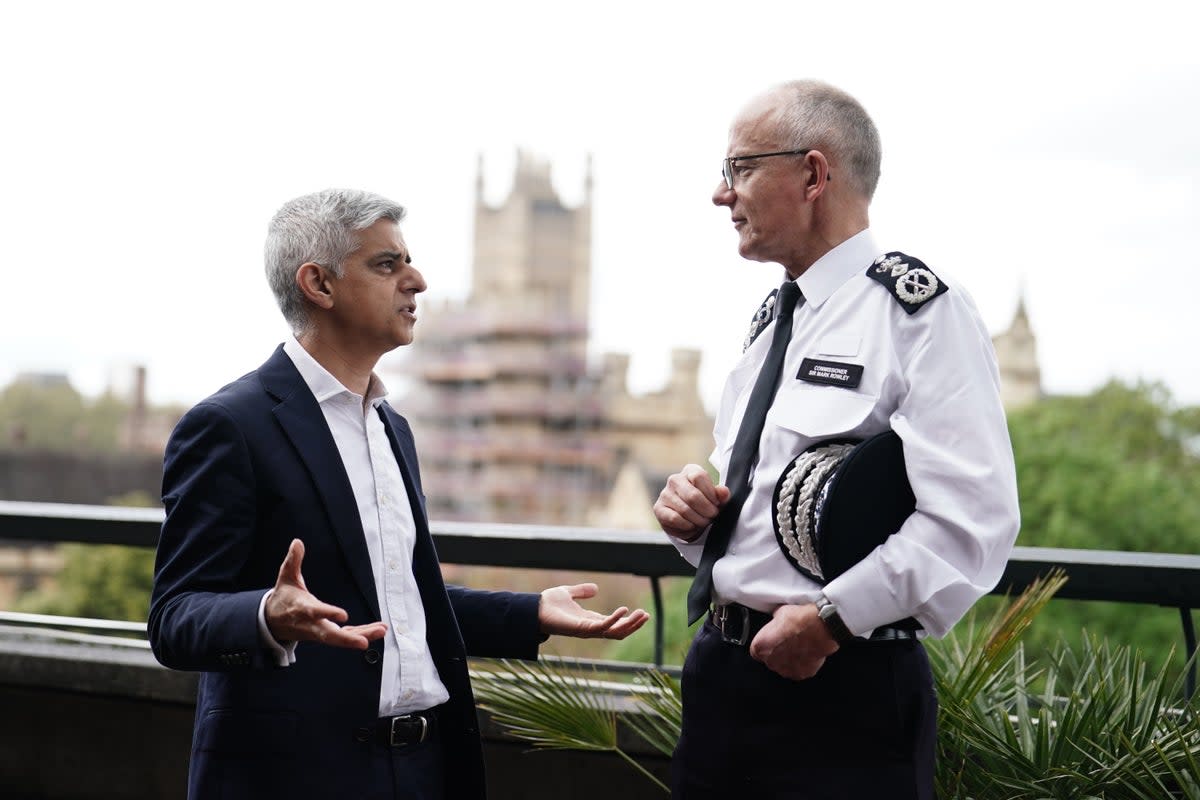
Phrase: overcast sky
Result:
[1050,146]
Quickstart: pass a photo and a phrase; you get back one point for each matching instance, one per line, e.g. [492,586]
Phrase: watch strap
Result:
[828,613]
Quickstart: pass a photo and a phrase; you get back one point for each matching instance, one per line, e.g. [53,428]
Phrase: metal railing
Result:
[1168,580]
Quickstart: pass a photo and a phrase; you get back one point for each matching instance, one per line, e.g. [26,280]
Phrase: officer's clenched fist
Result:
[688,503]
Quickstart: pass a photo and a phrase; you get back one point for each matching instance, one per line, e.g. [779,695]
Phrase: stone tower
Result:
[1016,354]
[504,409]
[533,254]
[511,424]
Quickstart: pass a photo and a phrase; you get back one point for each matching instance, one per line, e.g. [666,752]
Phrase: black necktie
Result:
[745,451]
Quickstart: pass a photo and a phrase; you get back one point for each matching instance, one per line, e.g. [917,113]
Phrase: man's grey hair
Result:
[320,228]
[817,115]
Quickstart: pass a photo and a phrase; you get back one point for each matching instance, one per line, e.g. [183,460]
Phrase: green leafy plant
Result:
[562,708]
[1092,723]
[1078,724]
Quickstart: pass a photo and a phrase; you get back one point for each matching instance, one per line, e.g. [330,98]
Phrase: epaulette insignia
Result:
[765,313]
[908,279]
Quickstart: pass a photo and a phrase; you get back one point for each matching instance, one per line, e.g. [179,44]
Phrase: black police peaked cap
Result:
[839,500]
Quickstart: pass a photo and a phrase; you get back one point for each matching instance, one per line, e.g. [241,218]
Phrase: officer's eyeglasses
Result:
[727,164]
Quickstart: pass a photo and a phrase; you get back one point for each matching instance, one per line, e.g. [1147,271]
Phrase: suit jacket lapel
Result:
[302,421]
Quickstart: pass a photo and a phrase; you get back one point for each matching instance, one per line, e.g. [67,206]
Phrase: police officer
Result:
[800,684]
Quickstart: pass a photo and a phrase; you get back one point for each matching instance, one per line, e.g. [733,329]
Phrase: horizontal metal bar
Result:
[67,522]
[83,623]
[614,667]
[1165,579]
[9,632]
[1152,578]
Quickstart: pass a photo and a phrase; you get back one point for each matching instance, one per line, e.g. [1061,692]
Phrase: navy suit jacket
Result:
[246,471]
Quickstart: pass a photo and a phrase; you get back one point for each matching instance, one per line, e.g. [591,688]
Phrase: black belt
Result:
[402,730]
[739,625]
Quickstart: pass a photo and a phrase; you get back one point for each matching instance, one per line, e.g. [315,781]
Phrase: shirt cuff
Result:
[693,550]
[283,652]
[696,540]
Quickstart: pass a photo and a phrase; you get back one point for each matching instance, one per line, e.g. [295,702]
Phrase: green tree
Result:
[40,417]
[100,581]
[1113,470]
[57,417]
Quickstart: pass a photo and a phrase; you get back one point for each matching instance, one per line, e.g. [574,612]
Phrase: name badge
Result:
[834,373]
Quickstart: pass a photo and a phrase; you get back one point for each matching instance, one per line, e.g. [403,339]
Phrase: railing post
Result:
[1189,643]
[656,590]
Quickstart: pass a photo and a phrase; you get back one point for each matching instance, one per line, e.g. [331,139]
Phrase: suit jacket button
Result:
[362,735]
[371,656]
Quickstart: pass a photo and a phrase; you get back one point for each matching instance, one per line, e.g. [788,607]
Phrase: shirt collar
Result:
[830,271]
[321,383]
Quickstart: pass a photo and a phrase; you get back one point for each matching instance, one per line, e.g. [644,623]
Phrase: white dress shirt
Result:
[410,679]
[932,378]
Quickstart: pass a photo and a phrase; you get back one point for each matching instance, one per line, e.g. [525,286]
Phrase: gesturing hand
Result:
[295,615]
[558,613]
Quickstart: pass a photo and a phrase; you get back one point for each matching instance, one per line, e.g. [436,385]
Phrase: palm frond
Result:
[549,707]
[556,707]
[661,705]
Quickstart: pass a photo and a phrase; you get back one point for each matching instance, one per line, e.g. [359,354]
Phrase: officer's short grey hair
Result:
[318,228]
[816,115]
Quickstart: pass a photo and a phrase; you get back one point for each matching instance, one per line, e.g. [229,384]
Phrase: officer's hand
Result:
[689,502]
[794,643]
[295,615]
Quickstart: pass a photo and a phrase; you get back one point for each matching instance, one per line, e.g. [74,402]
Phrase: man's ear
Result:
[315,284]
[818,174]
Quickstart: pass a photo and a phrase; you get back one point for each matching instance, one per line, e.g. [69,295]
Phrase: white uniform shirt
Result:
[410,678]
[932,378]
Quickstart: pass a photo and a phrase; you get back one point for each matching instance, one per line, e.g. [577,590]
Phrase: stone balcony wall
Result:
[87,721]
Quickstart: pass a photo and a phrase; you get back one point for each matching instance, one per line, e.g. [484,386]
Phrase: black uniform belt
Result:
[402,730]
[739,625]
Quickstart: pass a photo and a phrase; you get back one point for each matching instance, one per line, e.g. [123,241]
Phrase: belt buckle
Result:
[406,717]
[722,615]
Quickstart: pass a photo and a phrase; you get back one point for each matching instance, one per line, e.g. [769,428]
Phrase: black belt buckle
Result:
[405,727]
[888,633]
[722,618]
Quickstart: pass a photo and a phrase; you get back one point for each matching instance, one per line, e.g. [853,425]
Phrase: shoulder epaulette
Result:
[908,279]
[761,317]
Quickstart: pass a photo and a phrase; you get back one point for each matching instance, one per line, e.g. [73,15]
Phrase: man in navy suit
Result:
[295,567]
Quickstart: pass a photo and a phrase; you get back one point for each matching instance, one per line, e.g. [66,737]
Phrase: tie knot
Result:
[785,302]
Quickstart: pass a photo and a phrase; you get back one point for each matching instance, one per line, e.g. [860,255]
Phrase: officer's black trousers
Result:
[863,728]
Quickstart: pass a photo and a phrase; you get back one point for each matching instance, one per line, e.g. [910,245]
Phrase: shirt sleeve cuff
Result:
[691,550]
[284,653]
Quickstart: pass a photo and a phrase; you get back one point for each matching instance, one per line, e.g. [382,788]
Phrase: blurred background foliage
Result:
[56,417]
[104,581]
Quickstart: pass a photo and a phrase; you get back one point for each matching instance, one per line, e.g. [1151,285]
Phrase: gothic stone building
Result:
[512,423]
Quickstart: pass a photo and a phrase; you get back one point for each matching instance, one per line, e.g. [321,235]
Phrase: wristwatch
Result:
[828,613]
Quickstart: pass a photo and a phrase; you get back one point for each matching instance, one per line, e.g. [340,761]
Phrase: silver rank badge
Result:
[909,280]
